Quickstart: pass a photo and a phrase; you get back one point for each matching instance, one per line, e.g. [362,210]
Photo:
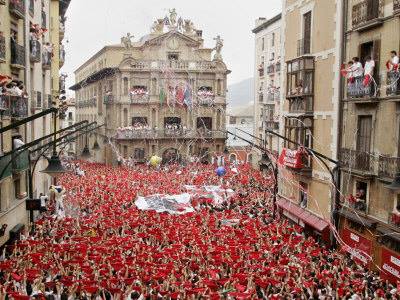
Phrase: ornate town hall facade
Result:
[164,94]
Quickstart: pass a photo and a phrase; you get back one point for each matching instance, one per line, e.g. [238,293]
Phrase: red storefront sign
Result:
[358,246]
[292,158]
[390,265]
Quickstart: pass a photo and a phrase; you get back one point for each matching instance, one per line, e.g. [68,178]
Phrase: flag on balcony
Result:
[162,96]
[187,97]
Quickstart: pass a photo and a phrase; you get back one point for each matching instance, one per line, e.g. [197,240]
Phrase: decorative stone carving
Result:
[126,41]
[218,47]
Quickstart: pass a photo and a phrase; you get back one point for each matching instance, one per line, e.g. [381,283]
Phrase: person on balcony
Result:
[368,70]
[360,203]
[393,63]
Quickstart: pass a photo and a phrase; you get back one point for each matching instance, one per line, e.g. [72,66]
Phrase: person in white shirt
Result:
[358,70]
[369,66]
[43,199]
[393,63]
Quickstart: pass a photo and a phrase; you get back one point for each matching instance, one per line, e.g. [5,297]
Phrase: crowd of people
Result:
[109,249]
[134,131]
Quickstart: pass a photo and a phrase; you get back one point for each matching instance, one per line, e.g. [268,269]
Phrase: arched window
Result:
[232,157]
[125,117]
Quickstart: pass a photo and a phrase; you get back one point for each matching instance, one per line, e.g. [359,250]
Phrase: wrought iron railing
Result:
[358,205]
[38,99]
[17,7]
[302,105]
[272,125]
[271,69]
[35,50]
[167,133]
[366,12]
[18,106]
[18,55]
[261,97]
[356,160]
[46,59]
[2,47]
[393,83]
[261,71]
[49,101]
[5,105]
[358,87]
[388,166]
[139,98]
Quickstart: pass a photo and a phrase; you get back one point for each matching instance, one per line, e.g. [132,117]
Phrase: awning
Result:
[389,233]
[302,214]
[356,218]
[103,73]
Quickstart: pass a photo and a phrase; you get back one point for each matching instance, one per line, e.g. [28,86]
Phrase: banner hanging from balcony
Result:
[292,158]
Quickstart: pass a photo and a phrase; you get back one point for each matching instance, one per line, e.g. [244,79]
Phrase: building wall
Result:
[267,81]
[325,50]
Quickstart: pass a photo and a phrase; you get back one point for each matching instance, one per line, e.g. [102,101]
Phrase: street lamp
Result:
[54,168]
[86,152]
[96,146]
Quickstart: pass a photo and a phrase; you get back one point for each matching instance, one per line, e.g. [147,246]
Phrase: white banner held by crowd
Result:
[173,204]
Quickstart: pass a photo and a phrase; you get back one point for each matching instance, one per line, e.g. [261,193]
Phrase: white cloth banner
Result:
[216,192]
[173,204]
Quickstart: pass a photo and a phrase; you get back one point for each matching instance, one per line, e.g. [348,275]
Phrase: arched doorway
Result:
[171,155]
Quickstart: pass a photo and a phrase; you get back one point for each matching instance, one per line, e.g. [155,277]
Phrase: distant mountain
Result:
[241,93]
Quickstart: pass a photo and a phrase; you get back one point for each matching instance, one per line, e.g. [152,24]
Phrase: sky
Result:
[92,24]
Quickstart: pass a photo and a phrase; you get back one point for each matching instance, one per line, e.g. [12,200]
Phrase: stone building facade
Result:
[27,30]
[309,113]
[370,135]
[267,81]
[164,94]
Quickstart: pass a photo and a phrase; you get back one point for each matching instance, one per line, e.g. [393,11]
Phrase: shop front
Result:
[358,246]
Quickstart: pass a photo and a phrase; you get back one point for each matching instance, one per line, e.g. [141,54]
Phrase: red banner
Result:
[291,158]
[358,246]
[390,265]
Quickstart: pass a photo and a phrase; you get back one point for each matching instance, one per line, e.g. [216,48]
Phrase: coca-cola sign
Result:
[292,158]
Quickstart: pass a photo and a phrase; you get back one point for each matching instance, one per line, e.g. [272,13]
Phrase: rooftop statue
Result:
[127,41]
[218,47]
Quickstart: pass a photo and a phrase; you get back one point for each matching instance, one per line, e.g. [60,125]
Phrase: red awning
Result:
[302,214]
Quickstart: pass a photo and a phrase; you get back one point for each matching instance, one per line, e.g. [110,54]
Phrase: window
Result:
[125,117]
[273,40]
[232,120]
[153,149]
[173,56]
[272,56]
[70,116]
[361,192]
[307,33]
[125,151]
[303,194]
[204,123]
[262,44]
[138,153]
[364,133]
[232,157]
[139,121]
[397,203]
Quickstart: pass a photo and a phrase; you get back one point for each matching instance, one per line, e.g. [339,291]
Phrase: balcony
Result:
[49,101]
[271,69]
[388,166]
[396,6]
[140,134]
[393,85]
[17,8]
[46,60]
[367,14]
[17,56]
[355,160]
[360,90]
[2,48]
[139,97]
[261,97]
[20,161]
[5,105]
[358,204]
[300,77]
[108,99]
[270,97]
[18,107]
[301,105]
[35,51]
[303,47]
[4,161]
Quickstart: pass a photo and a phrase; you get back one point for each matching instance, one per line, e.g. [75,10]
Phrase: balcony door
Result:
[364,132]
[307,32]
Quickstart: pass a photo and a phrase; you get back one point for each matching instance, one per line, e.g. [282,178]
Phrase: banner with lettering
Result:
[358,246]
[291,158]
[390,266]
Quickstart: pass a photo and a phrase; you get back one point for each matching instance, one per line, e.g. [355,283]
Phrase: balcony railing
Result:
[388,166]
[367,13]
[359,205]
[20,161]
[261,97]
[396,6]
[261,71]
[206,101]
[108,99]
[356,160]
[270,97]
[35,50]
[393,85]
[49,101]
[301,105]
[14,106]
[18,55]
[139,98]
[167,133]
[303,47]
[175,65]
[17,8]
[2,48]
[4,161]
[358,88]
[5,105]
